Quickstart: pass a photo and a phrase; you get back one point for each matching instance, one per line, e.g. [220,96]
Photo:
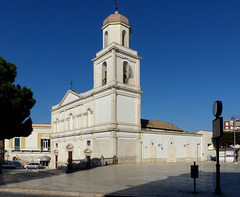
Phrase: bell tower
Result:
[121,64]
[117,82]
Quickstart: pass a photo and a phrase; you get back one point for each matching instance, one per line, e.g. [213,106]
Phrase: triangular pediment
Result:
[70,97]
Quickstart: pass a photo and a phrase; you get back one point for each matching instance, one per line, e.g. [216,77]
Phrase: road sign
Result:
[217,127]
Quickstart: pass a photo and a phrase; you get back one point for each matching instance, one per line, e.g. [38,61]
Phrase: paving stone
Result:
[162,179]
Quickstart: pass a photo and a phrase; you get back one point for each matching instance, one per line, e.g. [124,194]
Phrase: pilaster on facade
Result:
[114,143]
[114,74]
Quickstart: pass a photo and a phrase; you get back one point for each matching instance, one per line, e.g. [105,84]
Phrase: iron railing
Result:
[89,163]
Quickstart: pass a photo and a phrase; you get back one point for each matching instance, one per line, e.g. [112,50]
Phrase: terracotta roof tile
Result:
[116,18]
[157,124]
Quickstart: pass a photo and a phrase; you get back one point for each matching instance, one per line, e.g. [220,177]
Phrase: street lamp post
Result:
[234,159]
[217,133]
[234,137]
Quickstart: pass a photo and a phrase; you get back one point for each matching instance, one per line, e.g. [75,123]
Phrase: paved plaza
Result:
[162,179]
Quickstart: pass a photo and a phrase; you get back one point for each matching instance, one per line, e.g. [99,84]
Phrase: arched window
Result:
[89,118]
[57,126]
[104,73]
[105,39]
[124,40]
[126,72]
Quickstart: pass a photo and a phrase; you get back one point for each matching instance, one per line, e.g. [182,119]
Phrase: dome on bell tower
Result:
[116,29]
[116,17]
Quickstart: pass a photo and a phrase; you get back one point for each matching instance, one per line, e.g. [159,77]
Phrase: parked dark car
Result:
[8,165]
[17,164]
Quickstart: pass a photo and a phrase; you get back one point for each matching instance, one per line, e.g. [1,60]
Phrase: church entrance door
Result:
[56,161]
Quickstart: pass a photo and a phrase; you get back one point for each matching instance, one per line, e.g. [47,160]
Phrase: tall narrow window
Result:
[126,72]
[124,40]
[104,73]
[105,39]
[17,143]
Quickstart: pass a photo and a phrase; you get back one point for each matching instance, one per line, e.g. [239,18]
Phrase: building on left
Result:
[1,151]
[32,149]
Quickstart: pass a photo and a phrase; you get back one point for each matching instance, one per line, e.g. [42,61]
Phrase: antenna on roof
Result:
[71,84]
[116,5]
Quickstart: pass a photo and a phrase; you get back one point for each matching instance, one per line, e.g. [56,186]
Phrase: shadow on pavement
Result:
[21,175]
[183,186]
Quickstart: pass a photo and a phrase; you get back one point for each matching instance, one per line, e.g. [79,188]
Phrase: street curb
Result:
[49,192]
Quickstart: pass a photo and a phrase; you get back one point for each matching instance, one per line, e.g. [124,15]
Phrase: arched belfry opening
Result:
[104,73]
[124,38]
[126,72]
[105,39]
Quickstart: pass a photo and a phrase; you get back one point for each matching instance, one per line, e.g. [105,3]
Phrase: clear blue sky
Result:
[190,50]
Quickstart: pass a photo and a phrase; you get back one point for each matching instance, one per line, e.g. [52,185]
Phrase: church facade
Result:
[106,121]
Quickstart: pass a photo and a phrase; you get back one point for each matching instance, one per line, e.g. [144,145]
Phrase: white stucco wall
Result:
[126,109]
[207,144]
[103,109]
[171,147]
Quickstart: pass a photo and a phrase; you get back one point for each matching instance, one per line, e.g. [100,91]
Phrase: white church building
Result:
[106,120]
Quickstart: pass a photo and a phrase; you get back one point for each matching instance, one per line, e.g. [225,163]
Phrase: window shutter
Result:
[41,144]
[17,144]
[49,144]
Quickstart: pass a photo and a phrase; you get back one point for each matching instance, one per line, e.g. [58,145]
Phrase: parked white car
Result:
[32,166]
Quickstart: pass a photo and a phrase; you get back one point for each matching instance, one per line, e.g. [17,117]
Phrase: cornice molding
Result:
[116,23]
[114,46]
[170,132]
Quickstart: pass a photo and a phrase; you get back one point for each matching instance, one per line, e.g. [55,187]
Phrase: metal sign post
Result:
[217,133]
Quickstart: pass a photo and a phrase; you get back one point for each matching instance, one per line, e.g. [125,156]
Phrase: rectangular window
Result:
[226,123]
[45,144]
[88,143]
[17,143]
